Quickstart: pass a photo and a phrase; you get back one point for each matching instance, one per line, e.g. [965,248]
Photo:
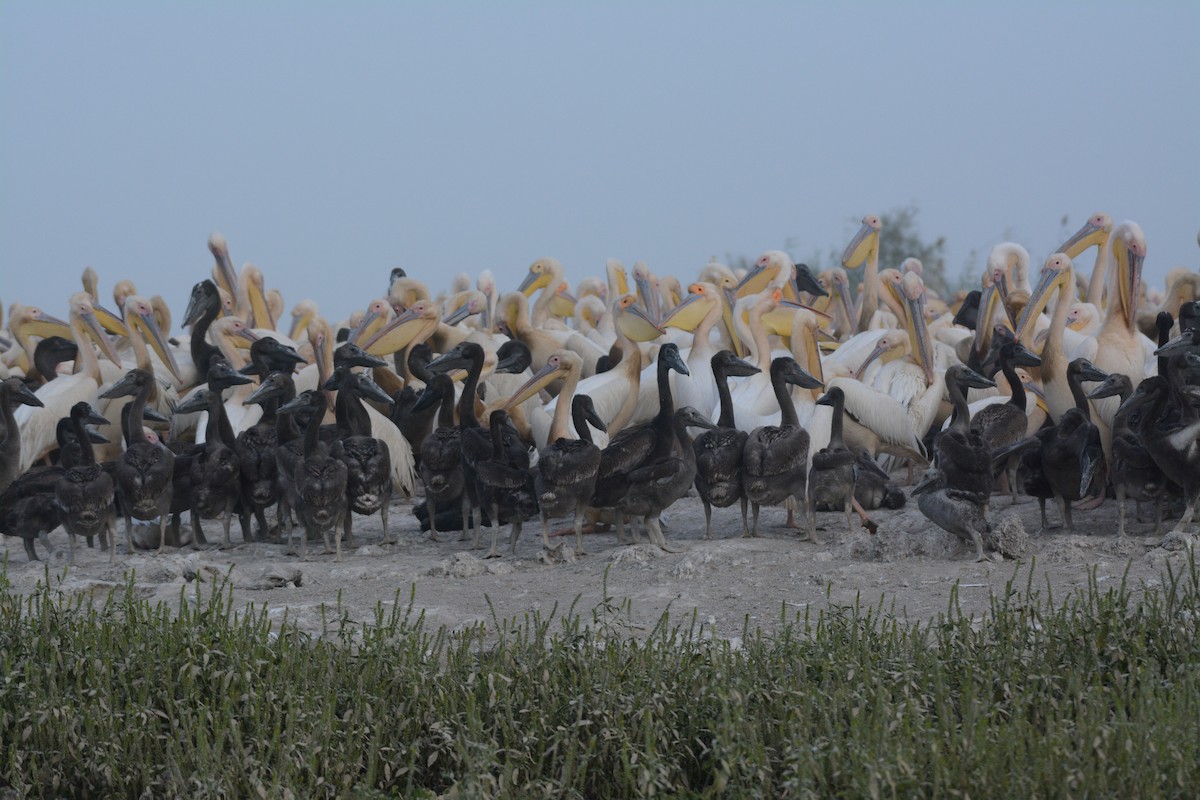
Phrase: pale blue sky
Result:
[330,143]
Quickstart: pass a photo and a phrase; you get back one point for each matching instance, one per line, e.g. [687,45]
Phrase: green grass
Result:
[1094,695]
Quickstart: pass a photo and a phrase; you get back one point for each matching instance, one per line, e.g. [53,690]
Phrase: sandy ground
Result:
[910,566]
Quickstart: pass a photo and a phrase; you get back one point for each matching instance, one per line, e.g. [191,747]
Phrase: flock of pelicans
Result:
[586,404]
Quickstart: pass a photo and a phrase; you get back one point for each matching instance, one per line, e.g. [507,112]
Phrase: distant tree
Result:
[900,238]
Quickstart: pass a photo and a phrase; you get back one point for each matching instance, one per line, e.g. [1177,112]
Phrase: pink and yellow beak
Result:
[1057,275]
[864,243]
[96,333]
[372,320]
[917,325]
[691,311]
[396,335]
[635,322]
[39,323]
[1129,251]
[540,380]
[563,302]
[1090,234]
[147,323]
[533,280]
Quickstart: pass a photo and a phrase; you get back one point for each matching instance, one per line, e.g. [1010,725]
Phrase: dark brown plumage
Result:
[318,488]
[775,458]
[84,493]
[144,473]
[719,451]
[566,472]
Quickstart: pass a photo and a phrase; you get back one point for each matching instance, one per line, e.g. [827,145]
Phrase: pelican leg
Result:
[1064,508]
[1042,508]
[1121,511]
[338,535]
[383,515]
[546,531]
[1010,474]
[198,538]
[347,525]
[30,550]
[579,551]
[978,540]
[494,552]
[707,520]
[476,525]
[1186,519]
[513,536]
[745,523]
[655,534]
[129,533]
[1158,515]
[868,523]
[1137,506]
[619,518]
[325,538]
[44,538]
[849,508]
[109,540]
[790,504]
[431,507]
[89,542]
[226,521]
[164,520]
[244,523]
[754,508]
[70,549]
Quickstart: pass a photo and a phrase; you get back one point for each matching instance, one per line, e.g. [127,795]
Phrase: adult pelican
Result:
[1095,231]
[58,396]
[864,249]
[615,393]
[1118,345]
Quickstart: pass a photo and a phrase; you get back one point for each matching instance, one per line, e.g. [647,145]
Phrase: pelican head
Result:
[84,310]
[21,394]
[803,280]
[1009,264]
[767,270]
[540,273]
[1057,275]
[129,384]
[26,321]
[204,297]
[465,303]
[891,345]
[701,298]
[918,330]
[223,272]
[786,368]
[403,328]
[302,314]
[634,321]
[1094,232]
[558,366]
[592,286]
[139,313]
[486,284]
[1129,249]
[274,387]
[371,321]
[864,243]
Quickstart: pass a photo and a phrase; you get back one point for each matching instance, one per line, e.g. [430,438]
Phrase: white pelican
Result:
[615,393]
[1118,346]
[864,249]
[1095,231]
[37,424]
